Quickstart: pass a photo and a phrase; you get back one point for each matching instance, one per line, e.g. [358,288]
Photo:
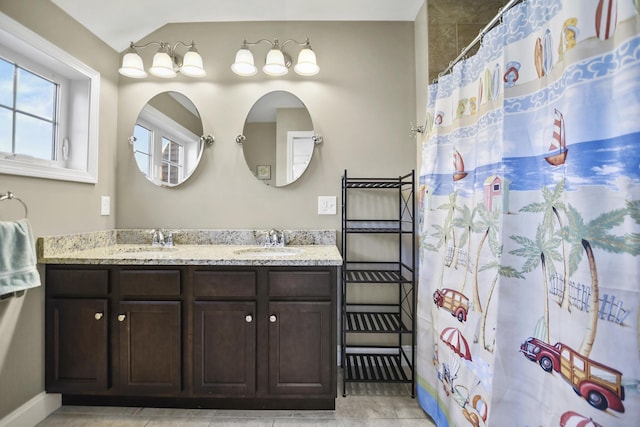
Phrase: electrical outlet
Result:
[326,205]
[105,205]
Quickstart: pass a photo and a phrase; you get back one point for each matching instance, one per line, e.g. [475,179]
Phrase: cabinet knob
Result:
[273,318]
[248,318]
[98,316]
[121,317]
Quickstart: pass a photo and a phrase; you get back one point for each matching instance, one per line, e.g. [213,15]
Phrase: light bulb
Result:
[307,65]
[192,64]
[162,64]
[244,65]
[132,65]
[274,64]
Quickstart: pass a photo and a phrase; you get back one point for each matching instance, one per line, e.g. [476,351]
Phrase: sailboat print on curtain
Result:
[458,166]
[558,148]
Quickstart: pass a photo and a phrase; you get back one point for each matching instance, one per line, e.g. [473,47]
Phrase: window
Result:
[164,149]
[172,161]
[142,148]
[27,112]
[48,108]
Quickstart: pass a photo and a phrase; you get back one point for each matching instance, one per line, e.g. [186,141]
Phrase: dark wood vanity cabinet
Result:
[149,331]
[302,348]
[133,348]
[193,336]
[267,333]
[224,333]
[77,330]
[77,335]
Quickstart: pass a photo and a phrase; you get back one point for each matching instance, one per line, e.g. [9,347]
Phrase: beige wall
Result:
[361,102]
[171,108]
[260,147]
[55,207]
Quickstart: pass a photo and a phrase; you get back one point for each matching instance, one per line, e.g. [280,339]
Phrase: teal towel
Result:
[17,257]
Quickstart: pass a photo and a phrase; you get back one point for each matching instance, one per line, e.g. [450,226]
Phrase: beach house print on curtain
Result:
[529,284]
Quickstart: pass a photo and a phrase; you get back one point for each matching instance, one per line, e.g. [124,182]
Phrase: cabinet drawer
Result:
[224,284]
[299,284]
[149,282]
[77,283]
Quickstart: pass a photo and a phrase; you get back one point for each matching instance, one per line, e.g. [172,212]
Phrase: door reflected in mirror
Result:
[167,143]
[279,138]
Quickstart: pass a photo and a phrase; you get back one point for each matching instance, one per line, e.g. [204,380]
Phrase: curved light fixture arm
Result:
[276,43]
[245,43]
[304,43]
[171,50]
[142,46]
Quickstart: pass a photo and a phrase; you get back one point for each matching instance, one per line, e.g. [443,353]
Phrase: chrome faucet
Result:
[276,238]
[159,238]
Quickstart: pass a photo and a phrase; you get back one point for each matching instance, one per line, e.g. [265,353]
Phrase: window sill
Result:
[22,168]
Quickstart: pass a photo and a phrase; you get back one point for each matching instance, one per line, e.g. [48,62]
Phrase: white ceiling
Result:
[118,22]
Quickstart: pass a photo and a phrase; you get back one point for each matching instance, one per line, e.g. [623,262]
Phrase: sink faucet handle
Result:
[169,239]
[276,237]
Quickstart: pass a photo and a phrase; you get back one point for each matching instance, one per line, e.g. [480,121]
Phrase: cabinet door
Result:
[76,345]
[150,347]
[300,353]
[224,347]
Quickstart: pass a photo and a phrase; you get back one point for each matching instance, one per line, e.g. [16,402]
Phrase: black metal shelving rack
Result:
[376,363]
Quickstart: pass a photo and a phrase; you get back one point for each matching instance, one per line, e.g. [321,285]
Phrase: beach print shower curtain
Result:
[529,282]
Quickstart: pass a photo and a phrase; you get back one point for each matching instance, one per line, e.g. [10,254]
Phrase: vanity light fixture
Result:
[166,61]
[277,62]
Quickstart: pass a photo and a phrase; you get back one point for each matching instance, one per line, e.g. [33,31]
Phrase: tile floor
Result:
[365,405]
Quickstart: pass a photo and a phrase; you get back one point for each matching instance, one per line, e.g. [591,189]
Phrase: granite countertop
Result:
[192,247]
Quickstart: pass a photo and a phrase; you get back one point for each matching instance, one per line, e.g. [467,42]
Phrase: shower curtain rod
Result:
[480,35]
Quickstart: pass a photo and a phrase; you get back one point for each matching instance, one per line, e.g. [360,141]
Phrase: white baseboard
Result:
[33,411]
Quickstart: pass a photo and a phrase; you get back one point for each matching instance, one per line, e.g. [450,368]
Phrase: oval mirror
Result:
[278,138]
[167,139]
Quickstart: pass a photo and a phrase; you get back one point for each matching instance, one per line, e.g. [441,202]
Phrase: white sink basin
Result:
[268,252]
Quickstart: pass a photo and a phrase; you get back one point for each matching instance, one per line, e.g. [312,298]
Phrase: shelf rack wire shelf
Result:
[396,319]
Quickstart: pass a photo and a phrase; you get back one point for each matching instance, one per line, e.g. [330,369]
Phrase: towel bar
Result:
[10,196]
[16,294]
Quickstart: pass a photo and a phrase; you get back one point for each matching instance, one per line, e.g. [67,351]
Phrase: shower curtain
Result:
[529,226]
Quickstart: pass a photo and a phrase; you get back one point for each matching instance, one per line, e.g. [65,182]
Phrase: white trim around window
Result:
[80,118]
